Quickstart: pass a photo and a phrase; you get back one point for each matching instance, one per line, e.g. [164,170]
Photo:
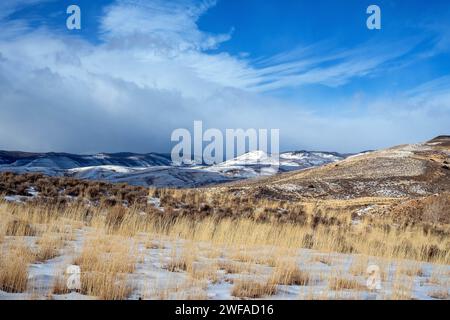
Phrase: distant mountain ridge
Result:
[157,169]
[69,161]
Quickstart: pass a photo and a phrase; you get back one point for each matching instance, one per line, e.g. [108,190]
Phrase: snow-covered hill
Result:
[258,163]
[156,176]
[157,170]
[57,161]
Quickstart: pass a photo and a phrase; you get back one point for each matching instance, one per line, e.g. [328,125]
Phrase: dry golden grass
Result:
[250,233]
[2,233]
[402,287]
[253,289]
[110,253]
[204,271]
[289,273]
[268,258]
[371,237]
[439,276]
[189,289]
[105,262]
[359,265]
[14,261]
[410,269]
[19,227]
[441,294]
[339,283]
[116,255]
[291,277]
[60,285]
[213,253]
[401,292]
[184,260]
[49,245]
[233,267]
[177,265]
[106,286]
[152,244]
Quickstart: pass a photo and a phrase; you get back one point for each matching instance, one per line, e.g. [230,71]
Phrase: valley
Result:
[312,233]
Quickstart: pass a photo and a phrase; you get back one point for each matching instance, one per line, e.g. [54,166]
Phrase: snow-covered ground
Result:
[152,280]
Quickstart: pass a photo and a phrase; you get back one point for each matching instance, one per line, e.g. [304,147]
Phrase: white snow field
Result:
[152,279]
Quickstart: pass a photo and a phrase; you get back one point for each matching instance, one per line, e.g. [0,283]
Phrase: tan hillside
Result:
[405,171]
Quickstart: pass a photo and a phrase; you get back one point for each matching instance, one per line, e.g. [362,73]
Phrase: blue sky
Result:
[139,69]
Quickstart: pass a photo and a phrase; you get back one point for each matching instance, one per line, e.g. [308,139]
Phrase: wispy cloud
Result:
[323,66]
[167,31]
[432,97]
[169,26]
[153,71]
[158,37]
[9,7]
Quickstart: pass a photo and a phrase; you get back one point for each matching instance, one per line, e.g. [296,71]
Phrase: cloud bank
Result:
[153,70]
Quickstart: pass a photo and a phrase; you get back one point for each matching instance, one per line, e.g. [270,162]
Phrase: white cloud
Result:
[153,73]
[166,26]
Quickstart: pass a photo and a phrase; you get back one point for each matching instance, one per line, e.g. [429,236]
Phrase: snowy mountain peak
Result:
[251,158]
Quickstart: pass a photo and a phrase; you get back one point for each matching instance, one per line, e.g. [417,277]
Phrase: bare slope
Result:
[405,171]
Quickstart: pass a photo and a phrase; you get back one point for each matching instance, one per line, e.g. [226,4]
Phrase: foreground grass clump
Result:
[14,263]
[49,246]
[106,286]
[184,260]
[339,283]
[290,274]
[177,265]
[253,289]
[105,262]
[60,285]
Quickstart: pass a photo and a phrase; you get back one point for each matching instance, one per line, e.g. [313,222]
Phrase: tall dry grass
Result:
[253,289]
[110,254]
[368,238]
[49,246]
[14,261]
[289,273]
[105,263]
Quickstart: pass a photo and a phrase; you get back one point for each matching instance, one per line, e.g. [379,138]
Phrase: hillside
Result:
[404,171]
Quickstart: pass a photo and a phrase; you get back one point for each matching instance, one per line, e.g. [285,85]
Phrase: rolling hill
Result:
[404,171]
